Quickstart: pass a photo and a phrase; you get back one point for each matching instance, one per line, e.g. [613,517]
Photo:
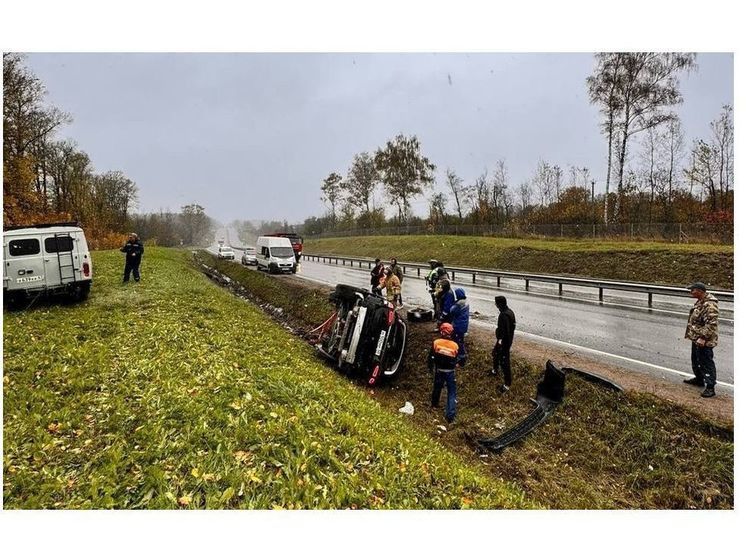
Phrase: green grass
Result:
[655,262]
[173,393]
[600,450]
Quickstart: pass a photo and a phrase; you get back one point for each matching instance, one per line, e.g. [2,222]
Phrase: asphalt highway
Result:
[621,331]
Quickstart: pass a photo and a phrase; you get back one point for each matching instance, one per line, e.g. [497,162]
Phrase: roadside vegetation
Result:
[654,262]
[599,450]
[173,393]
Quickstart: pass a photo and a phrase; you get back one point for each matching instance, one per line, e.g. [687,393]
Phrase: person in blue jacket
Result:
[458,317]
[446,298]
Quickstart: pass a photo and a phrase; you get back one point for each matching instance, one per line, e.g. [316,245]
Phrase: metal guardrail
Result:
[560,281]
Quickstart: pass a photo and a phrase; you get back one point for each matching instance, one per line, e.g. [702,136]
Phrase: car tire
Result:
[419,315]
[348,292]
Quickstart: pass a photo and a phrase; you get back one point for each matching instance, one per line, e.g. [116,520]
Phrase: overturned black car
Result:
[365,336]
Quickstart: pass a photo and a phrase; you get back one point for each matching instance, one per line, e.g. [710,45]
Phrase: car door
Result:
[24,268]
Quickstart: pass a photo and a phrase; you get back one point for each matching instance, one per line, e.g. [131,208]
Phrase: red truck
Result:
[295,240]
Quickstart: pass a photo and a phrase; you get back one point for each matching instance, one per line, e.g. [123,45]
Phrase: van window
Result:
[282,252]
[23,247]
[58,244]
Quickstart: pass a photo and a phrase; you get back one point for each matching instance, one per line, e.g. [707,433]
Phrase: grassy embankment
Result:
[653,262]
[173,393]
[600,449]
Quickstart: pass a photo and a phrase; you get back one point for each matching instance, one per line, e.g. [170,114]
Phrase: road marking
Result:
[606,354]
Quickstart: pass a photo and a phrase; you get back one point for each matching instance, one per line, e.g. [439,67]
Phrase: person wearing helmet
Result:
[391,283]
[458,317]
[431,282]
[442,363]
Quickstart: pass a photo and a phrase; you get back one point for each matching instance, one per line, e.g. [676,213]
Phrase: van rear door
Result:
[60,259]
[24,266]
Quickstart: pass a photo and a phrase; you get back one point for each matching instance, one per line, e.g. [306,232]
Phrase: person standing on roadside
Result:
[375,277]
[442,361]
[458,317]
[702,330]
[399,273]
[393,288]
[504,340]
[446,298]
[133,250]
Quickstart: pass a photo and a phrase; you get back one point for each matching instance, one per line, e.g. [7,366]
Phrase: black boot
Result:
[708,392]
[694,381]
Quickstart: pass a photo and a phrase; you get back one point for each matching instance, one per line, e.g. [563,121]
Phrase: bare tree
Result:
[604,90]
[544,181]
[722,132]
[459,191]
[525,194]
[499,190]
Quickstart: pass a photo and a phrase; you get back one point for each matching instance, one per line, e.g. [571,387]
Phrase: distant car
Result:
[226,253]
[249,257]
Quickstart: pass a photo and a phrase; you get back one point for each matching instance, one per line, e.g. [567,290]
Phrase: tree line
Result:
[46,179]
[656,177]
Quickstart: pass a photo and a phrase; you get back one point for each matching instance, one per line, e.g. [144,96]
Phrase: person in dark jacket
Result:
[446,298]
[133,251]
[504,339]
[375,277]
[442,362]
[458,317]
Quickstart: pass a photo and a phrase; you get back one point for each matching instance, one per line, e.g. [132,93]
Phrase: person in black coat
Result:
[504,339]
[375,277]
[133,251]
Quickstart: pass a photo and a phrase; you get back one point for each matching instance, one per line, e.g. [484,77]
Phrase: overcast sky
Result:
[252,136]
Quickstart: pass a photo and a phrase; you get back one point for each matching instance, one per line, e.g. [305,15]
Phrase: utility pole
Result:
[593,199]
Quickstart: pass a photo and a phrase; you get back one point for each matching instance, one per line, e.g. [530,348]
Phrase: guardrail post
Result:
[474,278]
[526,284]
[404,270]
[369,265]
[560,289]
[601,294]
[336,261]
[650,300]
[498,281]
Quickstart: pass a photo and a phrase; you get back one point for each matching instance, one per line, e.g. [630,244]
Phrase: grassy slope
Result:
[600,449]
[173,393]
[633,261]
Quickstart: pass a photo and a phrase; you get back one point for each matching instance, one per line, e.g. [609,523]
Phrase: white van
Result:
[275,254]
[46,258]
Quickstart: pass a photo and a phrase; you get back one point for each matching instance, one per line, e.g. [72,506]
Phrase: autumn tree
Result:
[635,91]
[361,182]
[195,225]
[404,171]
[332,191]
[27,125]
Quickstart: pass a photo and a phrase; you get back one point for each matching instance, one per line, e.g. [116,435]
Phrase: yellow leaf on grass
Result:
[54,427]
[236,404]
[185,500]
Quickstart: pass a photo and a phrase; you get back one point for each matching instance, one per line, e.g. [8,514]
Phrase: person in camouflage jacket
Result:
[702,330]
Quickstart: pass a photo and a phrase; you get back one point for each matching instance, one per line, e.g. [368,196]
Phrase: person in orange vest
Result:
[442,362]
